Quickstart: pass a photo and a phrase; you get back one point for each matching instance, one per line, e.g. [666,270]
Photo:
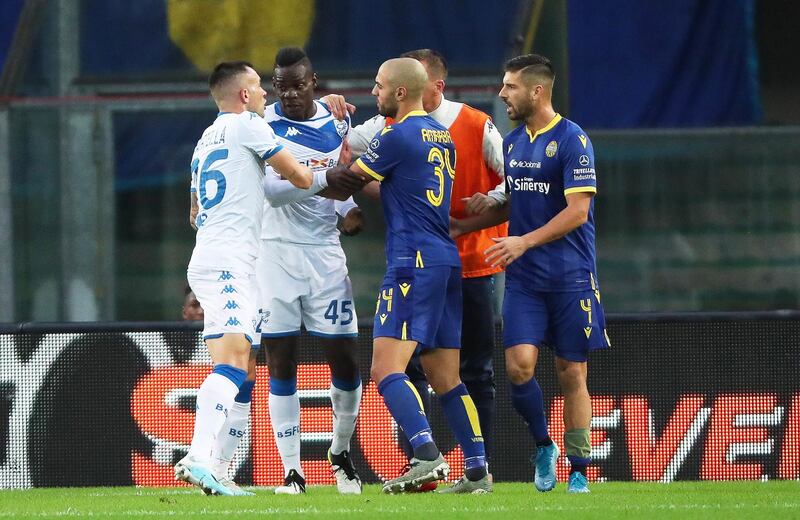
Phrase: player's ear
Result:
[314,80]
[400,93]
[439,85]
[244,95]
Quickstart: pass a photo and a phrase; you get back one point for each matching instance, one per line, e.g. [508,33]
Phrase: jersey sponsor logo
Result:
[552,148]
[370,156]
[288,432]
[528,184]
[324,163]
[524,164]
[582,139]
[374,144]
[292,131]
[584,160]
[583,174]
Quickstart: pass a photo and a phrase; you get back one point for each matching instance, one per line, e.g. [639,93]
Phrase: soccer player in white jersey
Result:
[227,173]
[303,280]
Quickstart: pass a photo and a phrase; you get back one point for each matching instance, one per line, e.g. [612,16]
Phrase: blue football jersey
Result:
[414,159]
[541,169]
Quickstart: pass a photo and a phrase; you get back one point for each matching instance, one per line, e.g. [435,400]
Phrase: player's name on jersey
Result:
[436,136]
[212,137]
[528,184]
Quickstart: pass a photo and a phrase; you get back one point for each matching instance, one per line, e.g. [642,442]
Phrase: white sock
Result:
[214,399]
[345,412]
[229,438]
[284,413]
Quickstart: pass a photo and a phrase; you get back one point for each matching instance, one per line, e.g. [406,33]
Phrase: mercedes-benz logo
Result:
[584,160]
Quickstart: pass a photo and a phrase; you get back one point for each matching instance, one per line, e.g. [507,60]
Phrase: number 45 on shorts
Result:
[340,309]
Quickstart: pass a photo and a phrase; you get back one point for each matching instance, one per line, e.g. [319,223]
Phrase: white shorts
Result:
[229,302]
[304,284]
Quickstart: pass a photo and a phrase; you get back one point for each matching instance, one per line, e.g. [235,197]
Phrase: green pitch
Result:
[705,500]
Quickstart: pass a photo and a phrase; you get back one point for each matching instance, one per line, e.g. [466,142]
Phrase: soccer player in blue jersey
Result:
[552,292]
[419,305]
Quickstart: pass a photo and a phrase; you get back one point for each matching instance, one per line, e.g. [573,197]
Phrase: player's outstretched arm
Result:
[342,182]
[287,167]
[280,192]
[492,216]
[508,249]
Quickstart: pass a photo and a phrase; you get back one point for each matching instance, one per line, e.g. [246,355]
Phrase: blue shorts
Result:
[570,323]
[422,305]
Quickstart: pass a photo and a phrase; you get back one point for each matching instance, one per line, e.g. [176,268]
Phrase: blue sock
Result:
[236,375]
[405,406]
[462,416]
[578,464]
[282,386]
[529,403]
[245,394]
[347,385]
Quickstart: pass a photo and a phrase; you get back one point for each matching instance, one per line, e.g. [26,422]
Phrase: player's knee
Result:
[571,376]
[282,368]
[520,370]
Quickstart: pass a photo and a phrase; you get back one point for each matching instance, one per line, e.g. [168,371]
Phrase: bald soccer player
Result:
[419,304]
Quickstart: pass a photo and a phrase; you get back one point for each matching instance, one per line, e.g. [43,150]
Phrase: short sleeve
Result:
[384,153]
[256,135]
[361,135]
[577,159]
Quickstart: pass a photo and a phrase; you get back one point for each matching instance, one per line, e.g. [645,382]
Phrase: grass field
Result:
[706,500]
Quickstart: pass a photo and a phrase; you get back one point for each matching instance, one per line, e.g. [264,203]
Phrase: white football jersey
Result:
[227,172]
[316,143]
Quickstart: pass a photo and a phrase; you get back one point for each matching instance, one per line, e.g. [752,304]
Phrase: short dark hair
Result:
[290,56]
[435,60]
[531,65]
[227,70]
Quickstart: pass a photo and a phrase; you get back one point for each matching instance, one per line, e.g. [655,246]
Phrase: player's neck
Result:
[540,119]
[232,108]
[403,109]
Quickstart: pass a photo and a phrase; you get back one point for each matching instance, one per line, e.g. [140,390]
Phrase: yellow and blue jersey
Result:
[541,170]
[414,159]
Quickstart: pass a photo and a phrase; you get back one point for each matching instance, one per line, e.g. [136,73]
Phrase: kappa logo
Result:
[233,322]
[231,305]
[228,289]
[292,131]
[224,276]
